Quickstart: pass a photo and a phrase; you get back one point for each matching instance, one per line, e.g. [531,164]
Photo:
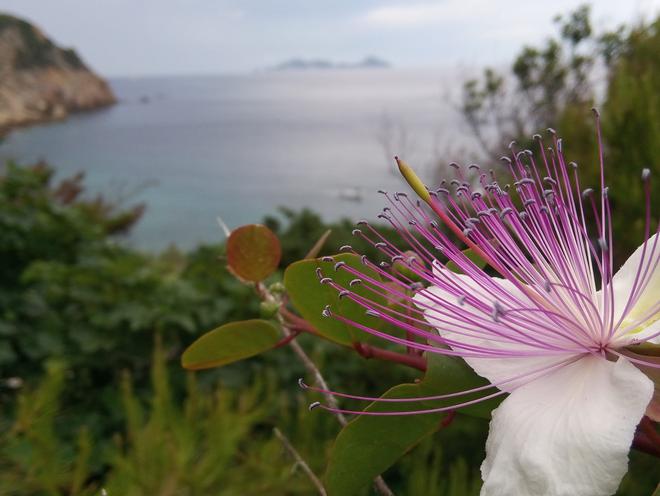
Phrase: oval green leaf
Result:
[230,343]
[369,445]
[310,297]
[448,374]
[253,252]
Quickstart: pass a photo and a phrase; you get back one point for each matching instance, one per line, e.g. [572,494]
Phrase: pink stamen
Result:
[534,233]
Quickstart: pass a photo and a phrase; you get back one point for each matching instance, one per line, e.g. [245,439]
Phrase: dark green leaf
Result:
[369,445]
[446,374]
[230,343]
[473,257]
[310,297]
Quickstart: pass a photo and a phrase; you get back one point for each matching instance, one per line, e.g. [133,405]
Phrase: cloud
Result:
[409,15]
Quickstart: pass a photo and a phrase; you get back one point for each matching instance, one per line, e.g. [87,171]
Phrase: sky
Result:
[170,37]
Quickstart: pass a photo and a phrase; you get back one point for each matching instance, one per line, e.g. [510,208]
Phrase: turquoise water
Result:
[193,148]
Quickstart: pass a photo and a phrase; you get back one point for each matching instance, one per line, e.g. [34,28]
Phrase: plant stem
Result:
[311,367]
[367,351]
[379,482]
[299,460]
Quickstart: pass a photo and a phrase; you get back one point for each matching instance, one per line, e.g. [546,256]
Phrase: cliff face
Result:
[40,81]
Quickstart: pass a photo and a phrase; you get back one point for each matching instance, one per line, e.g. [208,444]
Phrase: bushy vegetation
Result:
[87,402]
[555,85]
[92,394]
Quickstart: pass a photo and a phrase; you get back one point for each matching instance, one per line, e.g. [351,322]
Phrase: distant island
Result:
[40,81]
[298,64]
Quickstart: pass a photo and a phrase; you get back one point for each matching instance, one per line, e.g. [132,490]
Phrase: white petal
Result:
[498,370]
[651,333]
[568,433]
[622,284]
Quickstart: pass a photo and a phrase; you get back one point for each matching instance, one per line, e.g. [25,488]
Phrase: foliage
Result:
[105,414]
[68,289]
[310,298]
[218,443]
[631,129]
[543,82]
[230,343]
[553,86]
[34,459]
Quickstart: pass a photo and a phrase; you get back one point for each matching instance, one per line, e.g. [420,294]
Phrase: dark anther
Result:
[338,265]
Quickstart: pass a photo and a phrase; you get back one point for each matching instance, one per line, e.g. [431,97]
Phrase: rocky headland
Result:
[40,81]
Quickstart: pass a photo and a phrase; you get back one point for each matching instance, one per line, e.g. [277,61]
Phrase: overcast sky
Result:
[148,37]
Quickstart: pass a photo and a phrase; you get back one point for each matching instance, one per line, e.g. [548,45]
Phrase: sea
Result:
[239,147]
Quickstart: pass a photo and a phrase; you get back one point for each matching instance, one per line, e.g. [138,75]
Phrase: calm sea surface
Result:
[193,148]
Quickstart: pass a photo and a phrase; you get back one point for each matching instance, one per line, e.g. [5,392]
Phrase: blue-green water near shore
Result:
[193,148]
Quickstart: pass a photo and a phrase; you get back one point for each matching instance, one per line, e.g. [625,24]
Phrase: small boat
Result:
[351,194]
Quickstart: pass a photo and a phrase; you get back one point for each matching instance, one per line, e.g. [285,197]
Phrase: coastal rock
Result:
[40,81]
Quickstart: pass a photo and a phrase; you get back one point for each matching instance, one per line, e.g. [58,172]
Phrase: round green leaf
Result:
[253,252]
[310,297]
[230,343]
